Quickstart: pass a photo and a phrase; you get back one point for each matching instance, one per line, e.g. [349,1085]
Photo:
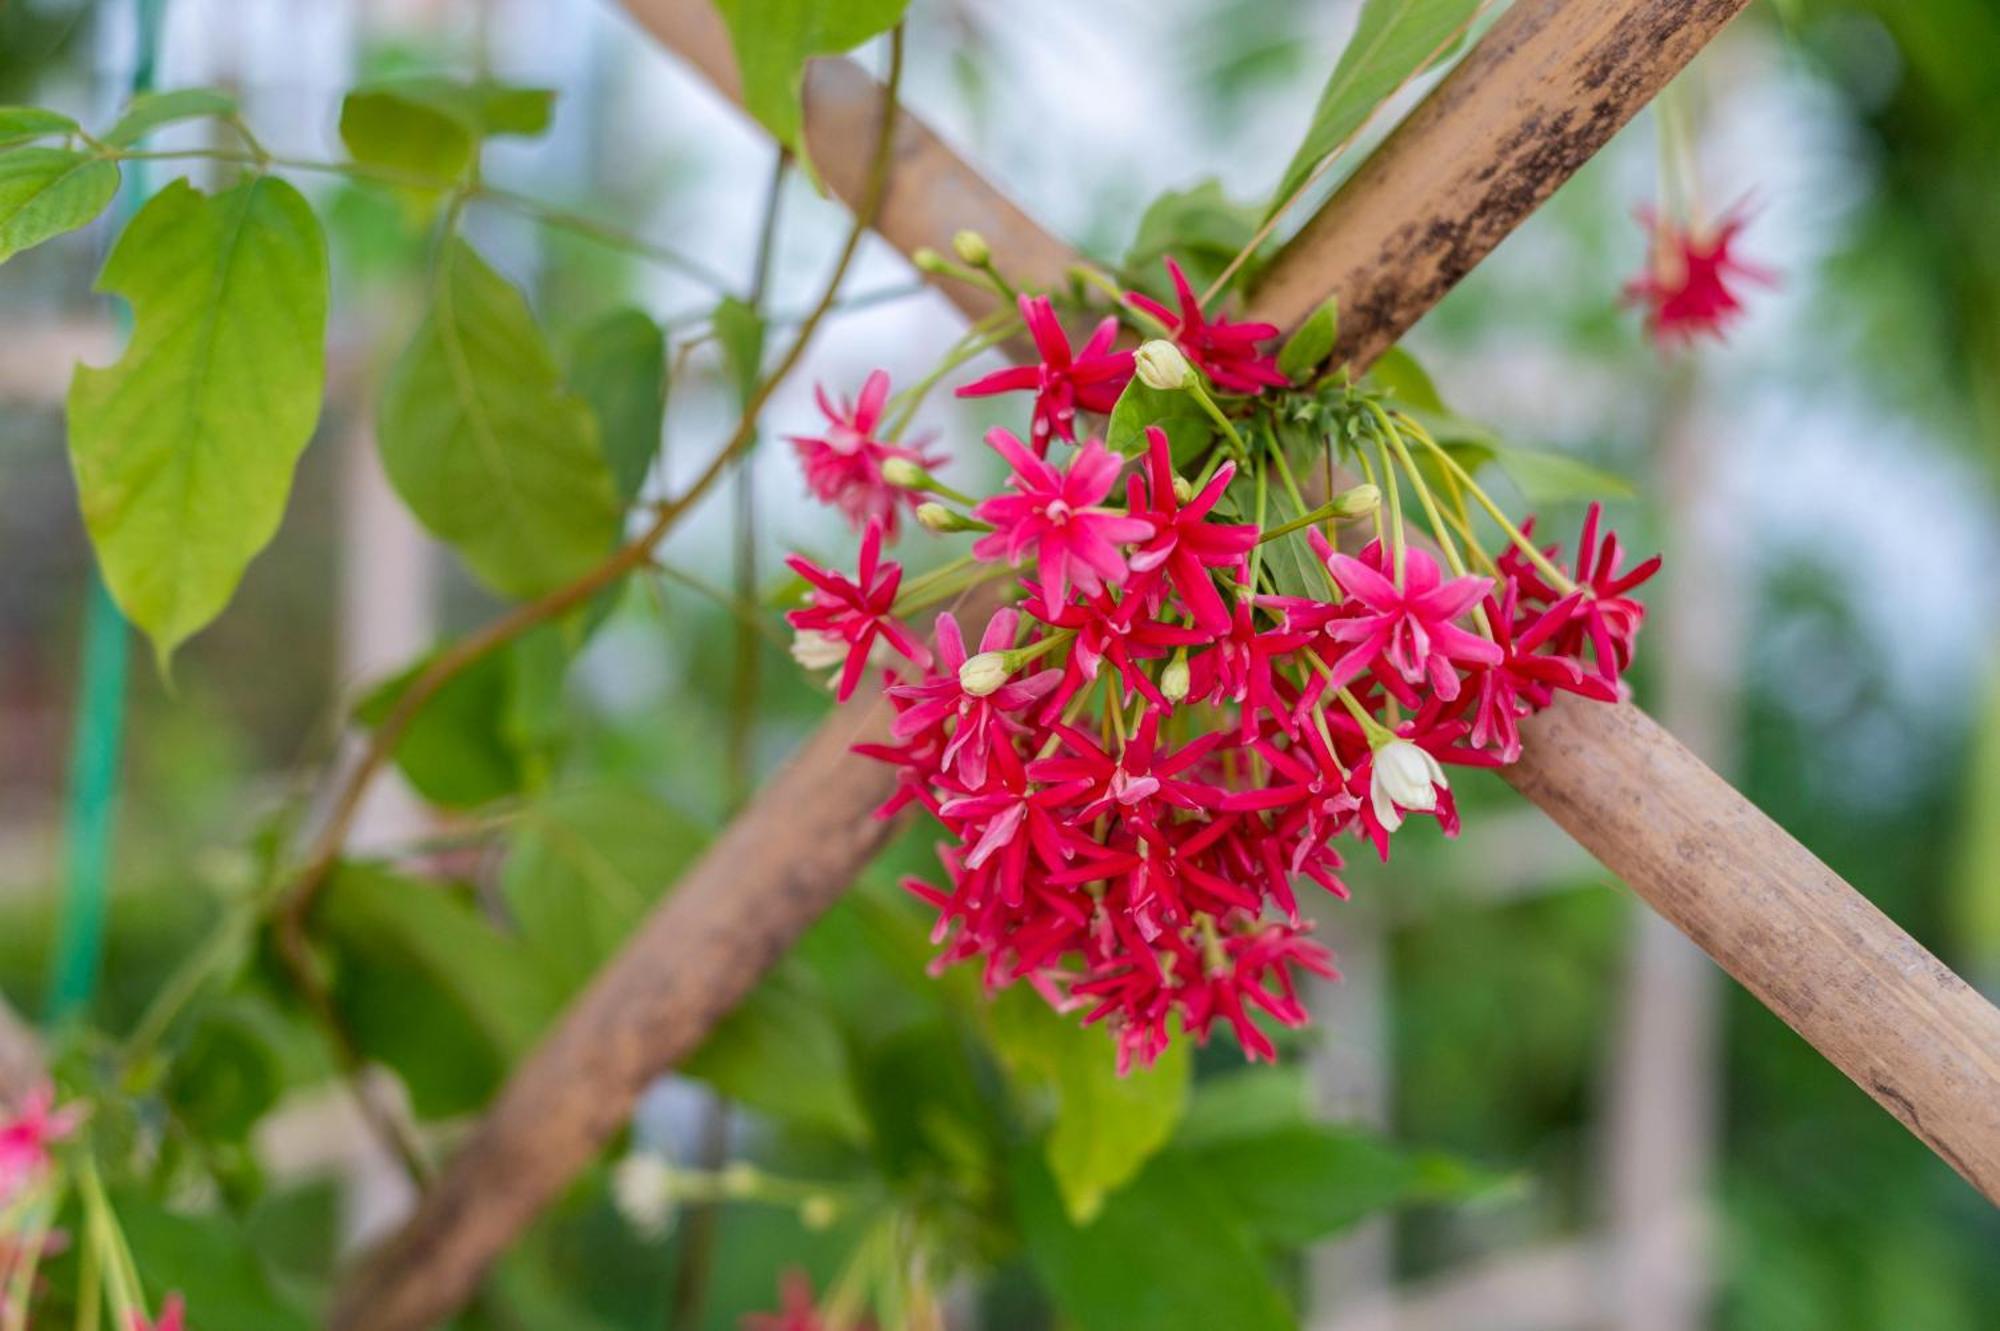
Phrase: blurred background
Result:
[1823,486]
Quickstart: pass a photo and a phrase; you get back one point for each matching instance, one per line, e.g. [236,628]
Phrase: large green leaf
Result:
[1554,478]
[1167,1253]
[1105,1126]
[1298,1183]
[184,449]
[1201,228]
[209,1260]
[150,110]
[487,446]
[45,192]
[21,124]
[1312,343]
[1393,41]
[780,1052]
[458,751]
[619,366]
[429,987]
[775,38]
[587,865]
[429,128]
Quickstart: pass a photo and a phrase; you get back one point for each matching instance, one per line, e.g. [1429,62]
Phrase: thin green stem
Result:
[1555,576]
[1395,493]
[1004,325]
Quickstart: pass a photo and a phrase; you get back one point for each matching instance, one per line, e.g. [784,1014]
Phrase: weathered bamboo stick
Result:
[1890,1015]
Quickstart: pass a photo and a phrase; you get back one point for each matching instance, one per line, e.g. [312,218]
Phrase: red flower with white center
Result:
[173,1316]
[1108,630]
[1140,781]
[1184,545]
[1225,351]
[25,1138]
[1692,275]
[843,465]
[853,613]
[1408,627]
[1526,676]
[981,718]
[1055,515]
[1090,379]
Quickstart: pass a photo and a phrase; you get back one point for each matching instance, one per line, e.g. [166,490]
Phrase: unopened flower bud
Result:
[971,247]
[1160,365]
[818,1212]
[1405,777]
[905,474]
[642,1190]
[816,650]
[936,517]
[1174,680]
[928,260]
[1356,503]
[1183,488]
[739,1179]
[984,673]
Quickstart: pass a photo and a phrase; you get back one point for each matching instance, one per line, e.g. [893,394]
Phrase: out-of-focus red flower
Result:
[1693,277]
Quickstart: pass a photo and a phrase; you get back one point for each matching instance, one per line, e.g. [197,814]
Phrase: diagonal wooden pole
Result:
[1552,81]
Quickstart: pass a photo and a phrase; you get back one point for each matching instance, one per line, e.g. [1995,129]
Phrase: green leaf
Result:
[430,988]
[21,124]
[1553,478]
[1166,1254]
[1105,1127]
[587,866]
[457,751]
[230,1072]
[485,444]
[780,1053]
[1312,343]
[774,39]
[1201,228]
[45,192]
[430,128]
[740,331]
[1393,42]
[1189,429]
[1299,1183]
[1248,1102]
[184,449]
[211,1262]
[619,366]
[1397,371]
[150,110]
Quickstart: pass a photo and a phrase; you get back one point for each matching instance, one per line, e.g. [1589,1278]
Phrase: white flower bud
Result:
[1160,365]
[1183,489]
[905,473]
[1175,679]
[984,673]
[642,1188]
[1357,503]
[970,246]
[816,650]
[1407,776]
[934,516]
[928,260]
[739,1179]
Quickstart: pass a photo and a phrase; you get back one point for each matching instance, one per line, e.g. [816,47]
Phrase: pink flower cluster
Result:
[1150,748]
[26,1139]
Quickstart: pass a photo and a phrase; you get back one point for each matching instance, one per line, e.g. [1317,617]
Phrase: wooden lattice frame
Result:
[1543,91]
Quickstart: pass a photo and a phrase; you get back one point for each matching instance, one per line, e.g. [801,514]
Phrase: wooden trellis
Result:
[1546,88]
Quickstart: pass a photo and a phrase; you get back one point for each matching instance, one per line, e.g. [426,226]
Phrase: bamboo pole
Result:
[1574,71]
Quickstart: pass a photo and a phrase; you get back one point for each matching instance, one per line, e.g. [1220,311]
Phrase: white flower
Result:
[984,673]
[642,1188]
[1160,365]
[816,650]
[1405,777]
